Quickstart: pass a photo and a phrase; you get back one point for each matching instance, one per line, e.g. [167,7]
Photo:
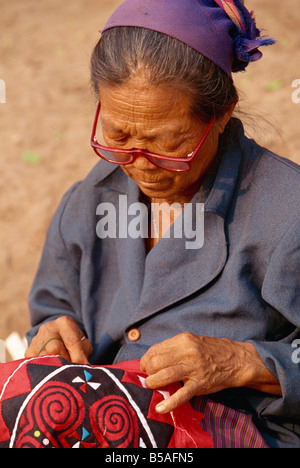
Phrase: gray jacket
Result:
[243,283]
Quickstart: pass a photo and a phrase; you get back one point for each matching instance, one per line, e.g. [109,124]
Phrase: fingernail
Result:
[160,408]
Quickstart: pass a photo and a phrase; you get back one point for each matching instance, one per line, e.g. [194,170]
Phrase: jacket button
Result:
[134,334]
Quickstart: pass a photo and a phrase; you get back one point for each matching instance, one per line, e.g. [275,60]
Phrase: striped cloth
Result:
[229,428]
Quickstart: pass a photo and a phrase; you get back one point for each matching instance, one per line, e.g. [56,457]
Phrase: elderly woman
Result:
[220,315]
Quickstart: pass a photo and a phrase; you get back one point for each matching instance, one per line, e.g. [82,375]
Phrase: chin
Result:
[154,192]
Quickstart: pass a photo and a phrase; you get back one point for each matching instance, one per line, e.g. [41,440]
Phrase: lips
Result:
[151,182]
[143,179]
[148,179]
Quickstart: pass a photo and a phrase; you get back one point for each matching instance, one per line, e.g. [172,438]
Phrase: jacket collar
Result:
[111,177]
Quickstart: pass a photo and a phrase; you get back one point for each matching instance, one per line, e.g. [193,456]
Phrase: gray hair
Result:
[122,52]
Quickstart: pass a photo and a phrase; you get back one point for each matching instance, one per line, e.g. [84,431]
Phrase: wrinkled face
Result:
[157,119]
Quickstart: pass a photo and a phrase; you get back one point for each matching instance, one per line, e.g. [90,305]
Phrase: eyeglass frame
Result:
[135,152]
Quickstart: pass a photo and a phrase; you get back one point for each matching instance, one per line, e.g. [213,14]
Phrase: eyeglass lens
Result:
[121,158]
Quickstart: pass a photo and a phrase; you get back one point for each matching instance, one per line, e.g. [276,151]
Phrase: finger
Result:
[169,345]
[87,346]
[163,361]
[152,352]
[183,395]
[79,349]
[42,345]
[31,351]
[166,376]
[54,347]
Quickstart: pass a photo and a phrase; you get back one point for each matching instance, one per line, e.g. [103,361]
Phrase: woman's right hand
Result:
[61,337]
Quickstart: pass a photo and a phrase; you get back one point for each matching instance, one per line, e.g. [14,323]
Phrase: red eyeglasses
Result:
[128,156]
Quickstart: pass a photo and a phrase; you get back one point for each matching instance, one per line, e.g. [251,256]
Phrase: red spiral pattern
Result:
[114,422]
[55,409]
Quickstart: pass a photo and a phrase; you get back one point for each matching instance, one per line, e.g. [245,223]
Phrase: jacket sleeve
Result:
[55,290]
[281,290]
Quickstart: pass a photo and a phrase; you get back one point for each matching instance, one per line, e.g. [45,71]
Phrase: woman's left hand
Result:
[205,365]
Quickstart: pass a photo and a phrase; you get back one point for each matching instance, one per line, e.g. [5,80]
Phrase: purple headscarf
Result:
[222,30]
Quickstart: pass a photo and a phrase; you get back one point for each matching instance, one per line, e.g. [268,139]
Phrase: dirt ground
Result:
[45,47]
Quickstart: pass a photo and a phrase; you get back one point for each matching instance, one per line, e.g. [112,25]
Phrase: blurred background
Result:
[46,121]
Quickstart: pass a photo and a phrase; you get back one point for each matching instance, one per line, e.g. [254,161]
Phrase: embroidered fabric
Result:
[47,402]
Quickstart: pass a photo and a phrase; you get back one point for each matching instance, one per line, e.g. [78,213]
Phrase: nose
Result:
[142,164]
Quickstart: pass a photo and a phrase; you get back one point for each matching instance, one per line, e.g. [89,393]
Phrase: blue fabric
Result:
[243,283]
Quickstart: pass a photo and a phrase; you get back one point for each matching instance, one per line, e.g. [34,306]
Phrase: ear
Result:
[223,121]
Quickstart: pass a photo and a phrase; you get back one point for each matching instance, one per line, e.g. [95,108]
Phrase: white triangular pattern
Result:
[94,385]
[78,379]
[142,443]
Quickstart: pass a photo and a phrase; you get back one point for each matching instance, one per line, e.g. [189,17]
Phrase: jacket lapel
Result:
[121,192]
